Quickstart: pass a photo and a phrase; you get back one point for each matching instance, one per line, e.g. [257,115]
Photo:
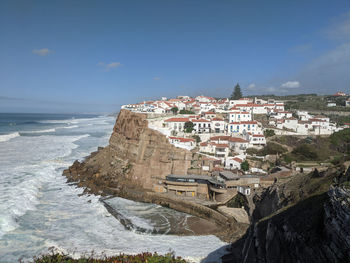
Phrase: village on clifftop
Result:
[226,134]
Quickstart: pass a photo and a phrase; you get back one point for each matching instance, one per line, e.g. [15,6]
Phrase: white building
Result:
[176,124]
[257,140]
[240,116]
[201,125]
[185,143]
[242,127]
[218,125]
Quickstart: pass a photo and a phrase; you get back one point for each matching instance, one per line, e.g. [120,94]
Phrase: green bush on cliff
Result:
[139,258]
[272,148]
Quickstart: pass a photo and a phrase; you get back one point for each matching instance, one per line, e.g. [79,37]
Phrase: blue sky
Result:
[92,56]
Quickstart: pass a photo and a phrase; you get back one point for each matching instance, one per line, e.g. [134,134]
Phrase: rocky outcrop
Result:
[134,162]
[136,157]
[303,223]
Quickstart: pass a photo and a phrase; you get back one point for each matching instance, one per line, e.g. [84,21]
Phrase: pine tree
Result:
[237,93]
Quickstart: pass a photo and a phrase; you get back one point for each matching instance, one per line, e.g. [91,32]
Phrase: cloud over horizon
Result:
[42,52]
[331,69]
[109,66]
[291,84]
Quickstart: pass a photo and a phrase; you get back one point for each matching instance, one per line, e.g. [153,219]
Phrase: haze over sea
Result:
[38,209]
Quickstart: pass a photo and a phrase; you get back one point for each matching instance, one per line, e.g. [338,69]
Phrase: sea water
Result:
[39,210]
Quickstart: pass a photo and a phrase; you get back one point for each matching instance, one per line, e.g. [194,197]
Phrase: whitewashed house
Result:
[185,143]
[233,163]
[242,127]
[237,116]
[201,125]
[176,124]
[257,140]
[218,125]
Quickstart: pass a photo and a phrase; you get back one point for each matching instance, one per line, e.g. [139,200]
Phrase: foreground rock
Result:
[299,221]
[132,165]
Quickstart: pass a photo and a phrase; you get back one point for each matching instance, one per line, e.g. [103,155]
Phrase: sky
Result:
[93,56]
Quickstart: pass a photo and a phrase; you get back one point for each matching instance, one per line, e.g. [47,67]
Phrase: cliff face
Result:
[299,223]
[148,151]
[135,158]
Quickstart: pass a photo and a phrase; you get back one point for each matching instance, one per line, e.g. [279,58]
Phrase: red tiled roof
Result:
[200,120]
[182,139]
[244,122]
[222,137]
[240,112]
[220,145]
[238,159]
[237,139]
[177,120]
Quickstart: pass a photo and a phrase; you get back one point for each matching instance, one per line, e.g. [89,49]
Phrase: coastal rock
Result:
[136,157]
[298,222]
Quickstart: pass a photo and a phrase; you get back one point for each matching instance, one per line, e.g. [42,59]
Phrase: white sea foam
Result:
[7,137]
[38,209]
[71,127]
[40,131]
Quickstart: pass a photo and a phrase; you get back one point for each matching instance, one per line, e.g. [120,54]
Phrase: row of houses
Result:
[202,104]
[303,123]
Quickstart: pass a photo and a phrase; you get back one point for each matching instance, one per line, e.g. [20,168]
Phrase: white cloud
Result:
[156,78]
[42,52]
[340,28]
[301,48]
[291,84]
[251,86]
[109,66]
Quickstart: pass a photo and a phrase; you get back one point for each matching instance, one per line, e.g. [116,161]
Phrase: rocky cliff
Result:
[304,220]
[135,158]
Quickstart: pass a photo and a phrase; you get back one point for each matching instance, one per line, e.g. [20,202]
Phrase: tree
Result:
[188,126]
[197,138]
[237,93]
[245,166]
[269,133]
[174,110]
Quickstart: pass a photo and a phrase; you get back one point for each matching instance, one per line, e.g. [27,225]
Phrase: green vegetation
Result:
[272,148]
[305,152]
[245,165]
[252,151]
[237,93]
[186,112]
[269,133]
[188,127]
[174,110]
[139,258]
[197,138]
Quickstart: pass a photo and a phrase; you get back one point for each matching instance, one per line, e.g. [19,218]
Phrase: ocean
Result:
[39,210]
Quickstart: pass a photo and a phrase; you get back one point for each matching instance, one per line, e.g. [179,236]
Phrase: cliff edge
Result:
[135,158]
[303,220]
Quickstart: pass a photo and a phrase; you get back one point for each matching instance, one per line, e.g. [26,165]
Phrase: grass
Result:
[54,257]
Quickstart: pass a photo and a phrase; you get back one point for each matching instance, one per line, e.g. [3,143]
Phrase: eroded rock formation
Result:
[135,158]
[304,220]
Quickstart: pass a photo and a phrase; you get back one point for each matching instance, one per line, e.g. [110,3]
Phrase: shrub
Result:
[245,166]
[55,257]
[188,126]
[186,112]
[197,138]
[272,148]
[252,151]
[305,152]
[269,133]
